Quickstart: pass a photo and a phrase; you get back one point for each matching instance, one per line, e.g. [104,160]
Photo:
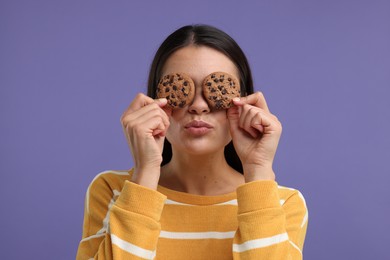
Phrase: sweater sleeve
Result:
[120,224]
[268,227]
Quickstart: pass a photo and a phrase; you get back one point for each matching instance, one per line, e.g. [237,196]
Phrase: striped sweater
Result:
[123,220]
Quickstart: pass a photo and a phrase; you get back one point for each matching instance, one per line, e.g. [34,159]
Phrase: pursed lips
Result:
[198,128]
[197,124]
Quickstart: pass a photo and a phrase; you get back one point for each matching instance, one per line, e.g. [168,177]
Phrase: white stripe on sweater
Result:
[295,246]
[260,243]
[305,218]
[92,237]
[197,235]
[172,202]
[132,249]
[107,217]
[230,202]
[97,176]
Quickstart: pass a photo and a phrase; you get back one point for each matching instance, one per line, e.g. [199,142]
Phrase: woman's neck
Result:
[202,175]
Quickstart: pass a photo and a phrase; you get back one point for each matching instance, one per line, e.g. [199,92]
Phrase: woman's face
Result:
[196,129]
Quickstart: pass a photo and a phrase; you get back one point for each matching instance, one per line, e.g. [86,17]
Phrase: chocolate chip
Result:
[216,80]
[185,83]
[208,84]
[174,87]
[167,90]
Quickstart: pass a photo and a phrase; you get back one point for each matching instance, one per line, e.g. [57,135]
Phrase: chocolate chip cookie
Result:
[177,88]
[219,88]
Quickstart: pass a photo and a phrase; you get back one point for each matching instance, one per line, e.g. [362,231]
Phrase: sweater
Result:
[124,220]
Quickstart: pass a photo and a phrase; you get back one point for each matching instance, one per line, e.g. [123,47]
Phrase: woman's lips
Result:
[198,127]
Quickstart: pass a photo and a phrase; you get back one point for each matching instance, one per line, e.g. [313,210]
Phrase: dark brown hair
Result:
[202,35]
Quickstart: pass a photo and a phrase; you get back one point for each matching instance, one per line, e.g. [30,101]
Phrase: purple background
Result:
[68,69]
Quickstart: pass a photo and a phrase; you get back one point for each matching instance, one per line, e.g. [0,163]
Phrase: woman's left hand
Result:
[255,133]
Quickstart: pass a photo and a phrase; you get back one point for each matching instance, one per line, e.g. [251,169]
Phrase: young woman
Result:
[202,186]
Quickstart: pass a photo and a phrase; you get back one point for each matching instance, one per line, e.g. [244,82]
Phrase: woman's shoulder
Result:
[110,180]
[292,198]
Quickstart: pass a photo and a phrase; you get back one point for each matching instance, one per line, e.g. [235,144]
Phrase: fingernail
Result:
[236,99]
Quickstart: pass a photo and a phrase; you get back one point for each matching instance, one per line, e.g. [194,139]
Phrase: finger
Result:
[143,104]
[233,116]
[248,112]
[141,100]
[160,130]
[145,114]
[152,125]
[260,122]
[165,108]
[256,99]
[256,118]
[150,120]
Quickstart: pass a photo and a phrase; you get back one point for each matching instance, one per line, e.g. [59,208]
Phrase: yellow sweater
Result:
[123,220]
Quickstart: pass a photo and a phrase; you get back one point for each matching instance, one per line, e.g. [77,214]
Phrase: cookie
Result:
[177,88]
[219,88]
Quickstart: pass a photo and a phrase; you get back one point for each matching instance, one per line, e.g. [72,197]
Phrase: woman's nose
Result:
[199,104]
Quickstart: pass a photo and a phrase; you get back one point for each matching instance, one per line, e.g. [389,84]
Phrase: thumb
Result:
[233,115]
[162,102]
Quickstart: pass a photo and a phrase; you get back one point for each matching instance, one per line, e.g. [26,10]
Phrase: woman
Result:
[202,186]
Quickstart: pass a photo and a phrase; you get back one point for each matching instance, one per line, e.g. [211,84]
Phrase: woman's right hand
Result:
[145,123]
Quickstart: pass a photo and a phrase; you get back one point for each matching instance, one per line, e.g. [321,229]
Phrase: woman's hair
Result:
[202,35]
